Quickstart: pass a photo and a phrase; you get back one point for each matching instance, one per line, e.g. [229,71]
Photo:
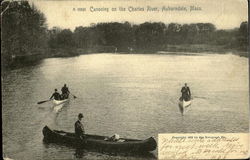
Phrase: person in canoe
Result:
[186,94]
[65,92]
[79,128]
[56,95]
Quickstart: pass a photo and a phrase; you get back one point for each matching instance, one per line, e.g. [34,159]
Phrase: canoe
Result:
[58,104]
[95,142]
[183,105]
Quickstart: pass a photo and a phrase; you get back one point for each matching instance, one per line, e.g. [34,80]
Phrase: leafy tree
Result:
[23,31]
[149,35]
[243,35]
[65,38]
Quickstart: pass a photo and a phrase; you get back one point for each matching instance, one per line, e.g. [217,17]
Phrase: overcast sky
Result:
[225,14]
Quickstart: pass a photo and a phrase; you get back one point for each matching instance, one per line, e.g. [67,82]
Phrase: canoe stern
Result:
[151,144]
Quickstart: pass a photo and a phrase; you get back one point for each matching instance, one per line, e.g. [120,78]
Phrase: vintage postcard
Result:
[125,79]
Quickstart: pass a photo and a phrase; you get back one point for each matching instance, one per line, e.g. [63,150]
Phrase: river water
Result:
[133,95]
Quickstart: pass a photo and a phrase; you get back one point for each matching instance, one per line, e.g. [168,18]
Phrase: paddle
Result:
[73,95]
[44,101]
[199,97]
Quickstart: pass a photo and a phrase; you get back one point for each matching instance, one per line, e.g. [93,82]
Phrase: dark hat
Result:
[80,115]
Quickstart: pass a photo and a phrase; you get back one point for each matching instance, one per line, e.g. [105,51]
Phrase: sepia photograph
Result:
[124,79]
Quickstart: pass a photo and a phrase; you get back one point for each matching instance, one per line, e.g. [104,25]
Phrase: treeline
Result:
[148,36]
[25,36]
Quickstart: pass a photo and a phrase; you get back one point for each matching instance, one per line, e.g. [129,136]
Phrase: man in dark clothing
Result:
[56,95]
[79,129]
[186,94]
[65,92]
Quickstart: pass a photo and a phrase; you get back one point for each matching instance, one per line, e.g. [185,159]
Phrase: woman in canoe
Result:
[56,95]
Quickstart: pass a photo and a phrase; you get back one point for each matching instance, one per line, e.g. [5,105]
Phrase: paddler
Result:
[79,129]
[186,94]
[65,92]
[56,95]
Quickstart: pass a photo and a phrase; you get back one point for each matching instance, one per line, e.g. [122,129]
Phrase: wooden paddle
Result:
[44,101]
[73,95]
[199,97]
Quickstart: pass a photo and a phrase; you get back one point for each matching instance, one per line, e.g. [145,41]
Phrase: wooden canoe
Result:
[58,104]
[183,105]
[95,142]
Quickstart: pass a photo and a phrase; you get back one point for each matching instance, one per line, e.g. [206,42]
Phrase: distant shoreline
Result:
[167,50]
[200,48]
[186,49]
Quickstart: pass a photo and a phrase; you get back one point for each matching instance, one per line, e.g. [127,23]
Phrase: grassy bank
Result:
[204,48]
[62,52]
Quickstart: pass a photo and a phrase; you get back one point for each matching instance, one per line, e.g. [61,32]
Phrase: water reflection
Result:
[116,155]
[79,153]
[84,154]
